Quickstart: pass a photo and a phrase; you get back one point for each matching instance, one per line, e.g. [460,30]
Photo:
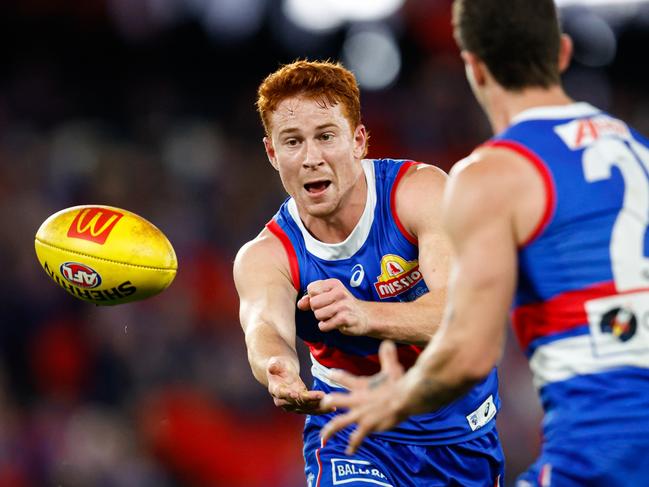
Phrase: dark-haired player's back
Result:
[553,212]
[582,299]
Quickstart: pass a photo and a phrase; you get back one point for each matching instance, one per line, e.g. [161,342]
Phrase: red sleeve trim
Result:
[393,198]
[276,230]
[562,312]
[548,183]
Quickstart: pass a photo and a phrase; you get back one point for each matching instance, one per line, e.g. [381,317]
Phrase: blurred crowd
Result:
[159,393]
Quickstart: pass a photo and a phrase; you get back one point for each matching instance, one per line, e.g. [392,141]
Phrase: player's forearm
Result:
[263,343]
[442,373]
[465,350]
[414,322]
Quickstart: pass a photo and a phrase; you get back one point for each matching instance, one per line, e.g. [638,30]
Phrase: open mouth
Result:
[315,187]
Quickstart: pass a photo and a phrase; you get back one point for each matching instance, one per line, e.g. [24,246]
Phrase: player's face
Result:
[316,152]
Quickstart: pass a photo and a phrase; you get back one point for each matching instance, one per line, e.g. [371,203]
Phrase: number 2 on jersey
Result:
[629,264]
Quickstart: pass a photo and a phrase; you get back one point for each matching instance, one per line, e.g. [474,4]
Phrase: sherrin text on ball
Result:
[105,255]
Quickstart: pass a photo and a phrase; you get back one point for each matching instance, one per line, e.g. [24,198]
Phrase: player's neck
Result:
[504,105]
[337,226]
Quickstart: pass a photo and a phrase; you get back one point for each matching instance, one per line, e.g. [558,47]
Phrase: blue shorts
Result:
[595,462]
[378,463]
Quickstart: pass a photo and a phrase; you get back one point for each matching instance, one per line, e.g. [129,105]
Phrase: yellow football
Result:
[105,255]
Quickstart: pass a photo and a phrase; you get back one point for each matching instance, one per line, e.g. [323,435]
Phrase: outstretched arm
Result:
[267,313]
[419,207]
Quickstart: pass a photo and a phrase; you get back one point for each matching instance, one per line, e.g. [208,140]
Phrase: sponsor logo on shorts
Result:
[80,275]
[345,471]
[94,224]
[398,275]
[481,416]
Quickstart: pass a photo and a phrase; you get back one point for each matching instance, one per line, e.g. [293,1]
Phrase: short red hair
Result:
[325,80]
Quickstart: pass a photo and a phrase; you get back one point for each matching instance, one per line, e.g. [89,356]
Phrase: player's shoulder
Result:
[261,264]
[426,172]
[493,183]
[494,169]
[418,197]
[422,178]
[261,252]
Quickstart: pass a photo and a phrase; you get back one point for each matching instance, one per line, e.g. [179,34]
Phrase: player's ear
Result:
[475,68]
[565,52]
[270,152]
[360,141]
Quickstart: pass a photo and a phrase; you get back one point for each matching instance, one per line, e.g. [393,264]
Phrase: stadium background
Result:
[148,105]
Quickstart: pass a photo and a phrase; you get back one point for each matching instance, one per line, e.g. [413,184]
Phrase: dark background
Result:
[149,105]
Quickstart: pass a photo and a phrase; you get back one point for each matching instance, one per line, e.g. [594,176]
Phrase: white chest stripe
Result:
[618,337]
[348,247]
[567,358]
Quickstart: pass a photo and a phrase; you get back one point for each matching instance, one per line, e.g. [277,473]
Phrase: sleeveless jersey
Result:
[377,262]
[581,311]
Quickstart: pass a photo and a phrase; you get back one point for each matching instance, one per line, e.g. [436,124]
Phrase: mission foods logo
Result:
[398,275]
[94,224]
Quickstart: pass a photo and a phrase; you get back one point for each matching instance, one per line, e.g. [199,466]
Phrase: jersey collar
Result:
[348,247]
[558,112]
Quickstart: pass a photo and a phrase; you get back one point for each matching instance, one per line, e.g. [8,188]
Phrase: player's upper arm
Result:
[419,201]
[266,292]
[478,216]
[486,210]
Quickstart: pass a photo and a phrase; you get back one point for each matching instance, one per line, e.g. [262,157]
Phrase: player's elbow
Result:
[476,369]
[481,362]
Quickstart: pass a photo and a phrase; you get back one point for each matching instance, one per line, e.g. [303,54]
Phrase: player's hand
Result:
[288,390]
[373,403]
[335,307]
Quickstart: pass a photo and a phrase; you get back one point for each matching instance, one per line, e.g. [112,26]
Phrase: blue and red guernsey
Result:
[581,310]
[377,262]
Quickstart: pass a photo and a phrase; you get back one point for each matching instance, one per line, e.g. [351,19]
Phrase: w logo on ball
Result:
[94,224]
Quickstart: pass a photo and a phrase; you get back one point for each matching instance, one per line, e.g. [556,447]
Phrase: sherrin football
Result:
[105,255]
